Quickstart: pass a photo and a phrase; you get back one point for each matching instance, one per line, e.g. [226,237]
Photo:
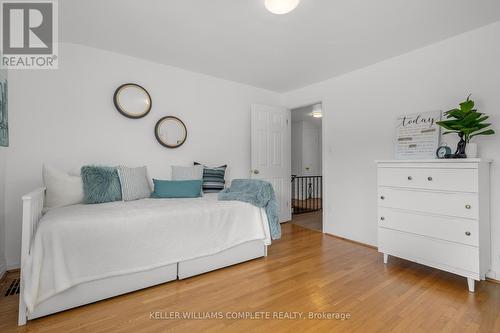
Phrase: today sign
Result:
[417,135]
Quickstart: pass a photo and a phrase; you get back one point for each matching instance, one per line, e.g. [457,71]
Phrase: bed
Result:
[81,254]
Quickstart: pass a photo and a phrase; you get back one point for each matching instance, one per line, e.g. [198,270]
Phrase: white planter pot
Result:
[471,150]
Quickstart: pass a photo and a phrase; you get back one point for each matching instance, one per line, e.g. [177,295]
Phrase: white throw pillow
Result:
[187,172]
[62,189]
[134,183]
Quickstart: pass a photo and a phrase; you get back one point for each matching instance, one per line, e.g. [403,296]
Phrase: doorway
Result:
[306,166]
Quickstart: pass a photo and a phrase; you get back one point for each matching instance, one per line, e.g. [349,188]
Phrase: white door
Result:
[271,152]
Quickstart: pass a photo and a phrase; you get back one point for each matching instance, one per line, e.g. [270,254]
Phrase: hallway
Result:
[312,221]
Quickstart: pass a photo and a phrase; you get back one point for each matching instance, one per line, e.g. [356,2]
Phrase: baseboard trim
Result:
[352,241]
[489,279]
[13,266]
[492,280]
[3,272]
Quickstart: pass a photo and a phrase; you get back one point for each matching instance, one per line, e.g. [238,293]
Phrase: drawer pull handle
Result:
[467,233]
[467,206]
[429,179]
[382,218]
[410,177]
[382,197]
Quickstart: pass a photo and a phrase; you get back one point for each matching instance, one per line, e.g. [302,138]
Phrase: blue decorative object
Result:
[443,152]
[177,188]
[4,123]
[100,184]
[258,193]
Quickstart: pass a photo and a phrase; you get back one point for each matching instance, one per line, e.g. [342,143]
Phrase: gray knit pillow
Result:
[135,183]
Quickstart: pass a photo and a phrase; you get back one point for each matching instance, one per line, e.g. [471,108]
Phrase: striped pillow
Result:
[213,178]
[135,184]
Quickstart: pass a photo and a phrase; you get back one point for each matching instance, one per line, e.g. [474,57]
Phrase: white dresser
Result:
[436,212]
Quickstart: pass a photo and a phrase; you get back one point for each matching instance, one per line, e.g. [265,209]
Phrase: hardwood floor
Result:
[305,271]
[307,203]
[313,220]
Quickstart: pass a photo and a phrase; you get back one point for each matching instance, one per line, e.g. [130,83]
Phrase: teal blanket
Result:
[258,193]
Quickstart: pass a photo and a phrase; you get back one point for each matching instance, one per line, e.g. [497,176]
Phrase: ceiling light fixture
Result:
[281,6]
[317,112]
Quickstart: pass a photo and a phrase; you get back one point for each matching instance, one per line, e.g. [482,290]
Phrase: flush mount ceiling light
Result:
[317,112]
[281,6]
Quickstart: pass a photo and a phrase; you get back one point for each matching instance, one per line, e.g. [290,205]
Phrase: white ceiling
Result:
[240,41]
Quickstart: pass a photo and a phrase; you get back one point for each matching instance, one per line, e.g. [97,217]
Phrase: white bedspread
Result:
[82,243]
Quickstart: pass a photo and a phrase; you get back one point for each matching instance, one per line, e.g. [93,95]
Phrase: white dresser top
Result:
[436,160]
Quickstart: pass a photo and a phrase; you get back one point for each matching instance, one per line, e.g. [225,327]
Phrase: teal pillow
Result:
[100,184]
[177,188]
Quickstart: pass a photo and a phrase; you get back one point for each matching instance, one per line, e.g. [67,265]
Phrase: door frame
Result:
[324,150]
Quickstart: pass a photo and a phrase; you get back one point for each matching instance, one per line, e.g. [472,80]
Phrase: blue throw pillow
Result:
[100,184]
[177,188]
[213,178]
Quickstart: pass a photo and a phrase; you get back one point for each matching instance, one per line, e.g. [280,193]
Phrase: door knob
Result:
[382,218]
[467,233]
[429,179]
[467,207]
[256,172]
[410,177]
[382,197]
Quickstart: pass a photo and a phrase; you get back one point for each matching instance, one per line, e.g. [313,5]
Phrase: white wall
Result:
[359,112]
[306,148]
[311,152]
[296,147]
[3,160]
[66,117]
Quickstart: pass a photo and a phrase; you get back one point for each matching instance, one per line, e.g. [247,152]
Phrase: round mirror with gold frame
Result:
[170,132]
[132,100]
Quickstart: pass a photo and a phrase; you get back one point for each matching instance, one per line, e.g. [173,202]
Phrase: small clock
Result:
[443,152]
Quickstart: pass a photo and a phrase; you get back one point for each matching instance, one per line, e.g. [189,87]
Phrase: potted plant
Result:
[467,123]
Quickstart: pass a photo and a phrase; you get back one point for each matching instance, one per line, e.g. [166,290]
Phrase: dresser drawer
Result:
[463,180]
[442,203]
[429,251]
[447,228]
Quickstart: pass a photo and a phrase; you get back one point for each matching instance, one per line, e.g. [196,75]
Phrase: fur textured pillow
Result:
[100,184]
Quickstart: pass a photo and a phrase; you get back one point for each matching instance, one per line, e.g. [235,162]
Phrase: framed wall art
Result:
[4,117]
[417,135]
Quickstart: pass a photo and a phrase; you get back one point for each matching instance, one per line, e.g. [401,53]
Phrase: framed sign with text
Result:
[417,135]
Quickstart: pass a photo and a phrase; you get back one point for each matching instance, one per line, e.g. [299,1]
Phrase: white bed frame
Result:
[94,291]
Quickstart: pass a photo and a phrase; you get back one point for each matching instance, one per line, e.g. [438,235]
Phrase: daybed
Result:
[81,254]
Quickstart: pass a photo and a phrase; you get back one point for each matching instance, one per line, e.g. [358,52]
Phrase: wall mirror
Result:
[132,100]
[170,132]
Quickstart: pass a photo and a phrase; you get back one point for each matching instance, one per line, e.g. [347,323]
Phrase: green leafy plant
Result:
[466,121]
